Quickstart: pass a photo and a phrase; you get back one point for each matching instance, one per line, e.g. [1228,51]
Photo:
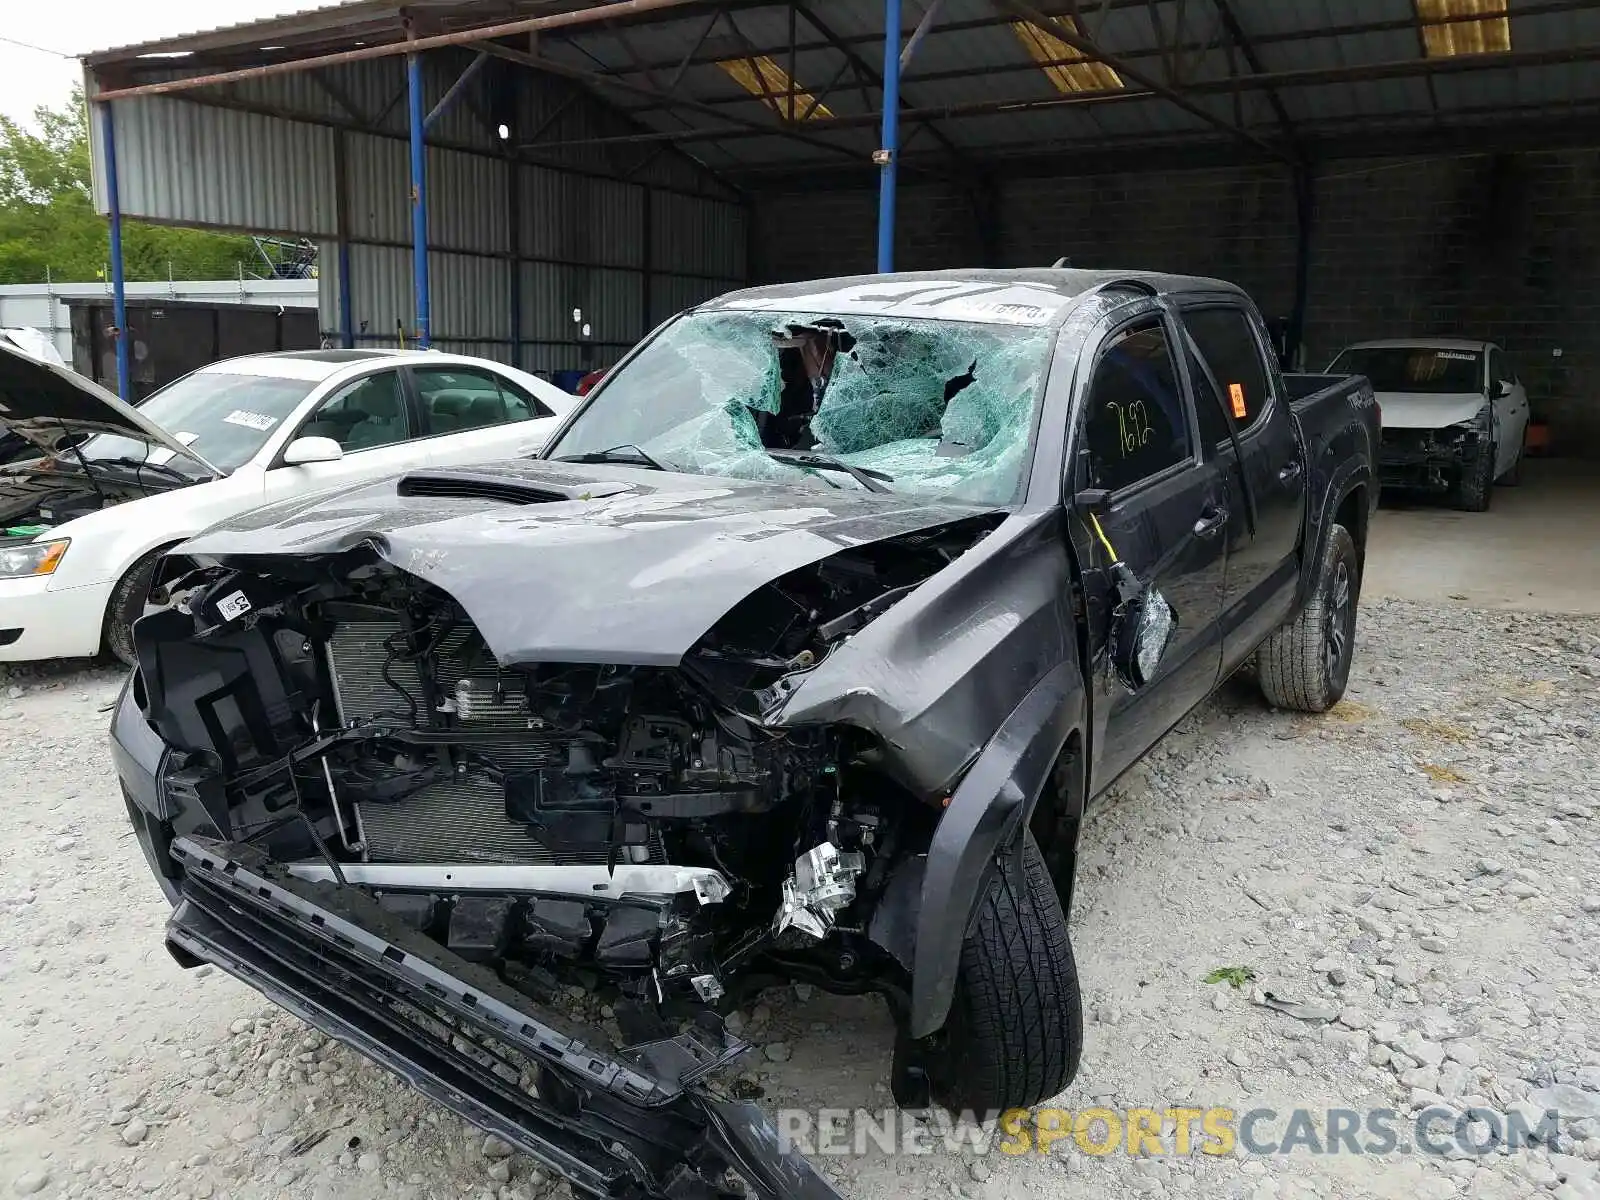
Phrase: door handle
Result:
[1212,521]
[1289,473]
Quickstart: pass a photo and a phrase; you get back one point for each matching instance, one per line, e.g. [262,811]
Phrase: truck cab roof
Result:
[1029,296]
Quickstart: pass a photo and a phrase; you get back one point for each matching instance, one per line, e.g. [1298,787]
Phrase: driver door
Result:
[1166,514]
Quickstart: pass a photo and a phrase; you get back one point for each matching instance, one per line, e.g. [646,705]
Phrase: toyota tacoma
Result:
[794,656]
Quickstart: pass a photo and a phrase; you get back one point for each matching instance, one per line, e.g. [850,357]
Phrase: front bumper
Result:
[37,622]
[644,1123]
[638,1124]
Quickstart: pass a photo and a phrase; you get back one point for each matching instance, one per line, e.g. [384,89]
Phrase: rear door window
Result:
[455,399]
[1227,344]
[1214,428]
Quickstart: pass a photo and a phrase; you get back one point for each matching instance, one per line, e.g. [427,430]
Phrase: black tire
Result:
[1476,486]
[1305,664]
[1015,1032]
[127,606]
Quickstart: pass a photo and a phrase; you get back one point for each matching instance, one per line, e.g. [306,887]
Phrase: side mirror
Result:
[306,450]
[1144,625]
[1504,389]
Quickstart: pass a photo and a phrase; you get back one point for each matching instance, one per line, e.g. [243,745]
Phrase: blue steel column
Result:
[890,150]
[419,201]
[119,296]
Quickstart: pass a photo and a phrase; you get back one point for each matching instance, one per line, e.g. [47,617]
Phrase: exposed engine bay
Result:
[642,832]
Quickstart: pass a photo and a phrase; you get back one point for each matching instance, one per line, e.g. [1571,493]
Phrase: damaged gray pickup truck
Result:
[794,657]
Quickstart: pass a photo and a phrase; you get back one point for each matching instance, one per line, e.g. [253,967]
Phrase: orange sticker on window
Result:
[1236,394]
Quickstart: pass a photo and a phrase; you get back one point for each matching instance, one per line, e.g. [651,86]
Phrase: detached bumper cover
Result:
[638,1124]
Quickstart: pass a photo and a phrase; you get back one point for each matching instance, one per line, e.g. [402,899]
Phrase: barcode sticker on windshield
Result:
[257,421]
[1456,355]
[233,607]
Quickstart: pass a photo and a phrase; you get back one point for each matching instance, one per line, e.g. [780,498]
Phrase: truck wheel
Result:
[1015,1031]
[1476,487]
[127,606]
[1305,664]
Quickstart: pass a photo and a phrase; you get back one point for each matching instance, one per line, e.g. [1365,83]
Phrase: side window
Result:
[1228,345]
[455,399]
[366,412]
[1135,423]
[1498,369]
[524,403]
[1208,405]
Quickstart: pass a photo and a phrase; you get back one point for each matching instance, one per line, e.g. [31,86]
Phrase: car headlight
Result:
[32,558]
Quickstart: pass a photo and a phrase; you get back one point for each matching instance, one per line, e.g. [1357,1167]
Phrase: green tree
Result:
[48,222]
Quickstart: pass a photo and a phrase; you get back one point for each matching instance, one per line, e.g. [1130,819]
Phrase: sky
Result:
[57,28]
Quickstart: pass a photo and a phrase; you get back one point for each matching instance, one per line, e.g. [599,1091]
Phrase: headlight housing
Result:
[32,558]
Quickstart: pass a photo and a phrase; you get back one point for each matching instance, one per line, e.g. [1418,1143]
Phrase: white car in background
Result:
[1454,414]
[84,521]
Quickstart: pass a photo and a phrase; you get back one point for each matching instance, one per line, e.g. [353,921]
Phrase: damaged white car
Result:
[1454,414]
[103,490]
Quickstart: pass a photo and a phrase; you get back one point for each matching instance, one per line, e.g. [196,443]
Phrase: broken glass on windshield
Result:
[930,407]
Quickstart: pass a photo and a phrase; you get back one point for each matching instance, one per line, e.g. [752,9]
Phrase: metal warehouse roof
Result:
[779,88]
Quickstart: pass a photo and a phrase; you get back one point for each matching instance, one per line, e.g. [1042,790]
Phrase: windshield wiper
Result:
[627,454]
[139,464]
[865,476]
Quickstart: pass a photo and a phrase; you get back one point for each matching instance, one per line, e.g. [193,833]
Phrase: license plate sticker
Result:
[260,422]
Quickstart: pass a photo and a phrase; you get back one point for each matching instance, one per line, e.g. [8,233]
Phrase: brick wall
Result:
[1504,248]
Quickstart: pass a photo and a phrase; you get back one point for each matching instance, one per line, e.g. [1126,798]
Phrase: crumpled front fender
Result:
[986,814]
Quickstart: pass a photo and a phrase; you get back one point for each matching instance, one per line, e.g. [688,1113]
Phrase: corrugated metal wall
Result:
[264,156]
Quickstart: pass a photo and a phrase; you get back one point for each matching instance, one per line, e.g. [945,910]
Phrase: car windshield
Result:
[226,418]
[931,408]
[1413,368]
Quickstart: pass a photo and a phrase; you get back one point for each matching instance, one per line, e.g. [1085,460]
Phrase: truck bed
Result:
[1305,387]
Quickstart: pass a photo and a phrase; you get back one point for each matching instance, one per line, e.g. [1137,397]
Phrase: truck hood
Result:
[41,402]
[556,562]
[1416,410]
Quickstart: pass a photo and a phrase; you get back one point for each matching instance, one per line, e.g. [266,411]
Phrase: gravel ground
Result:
[1420,869]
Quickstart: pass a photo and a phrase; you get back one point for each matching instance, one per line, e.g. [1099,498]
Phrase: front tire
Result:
[1015,1032]
[1476,487]
[1305,664]
[127,606]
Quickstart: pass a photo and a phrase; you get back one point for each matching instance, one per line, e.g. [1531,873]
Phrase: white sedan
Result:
[105,489]
[1455,414]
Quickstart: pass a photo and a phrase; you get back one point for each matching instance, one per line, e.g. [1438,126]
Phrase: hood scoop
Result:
[505,489]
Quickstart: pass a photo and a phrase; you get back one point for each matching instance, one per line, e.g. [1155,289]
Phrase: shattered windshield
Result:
[932,408]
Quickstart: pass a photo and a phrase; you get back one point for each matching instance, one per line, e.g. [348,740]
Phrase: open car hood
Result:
[41,402]
[1421,410]
[556,562]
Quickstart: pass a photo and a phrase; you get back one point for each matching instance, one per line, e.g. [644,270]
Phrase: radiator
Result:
[458,820]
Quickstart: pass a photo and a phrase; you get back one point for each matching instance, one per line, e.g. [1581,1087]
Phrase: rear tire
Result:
[1476,487]
[1305,664]
[127,606]
[1015,1032]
